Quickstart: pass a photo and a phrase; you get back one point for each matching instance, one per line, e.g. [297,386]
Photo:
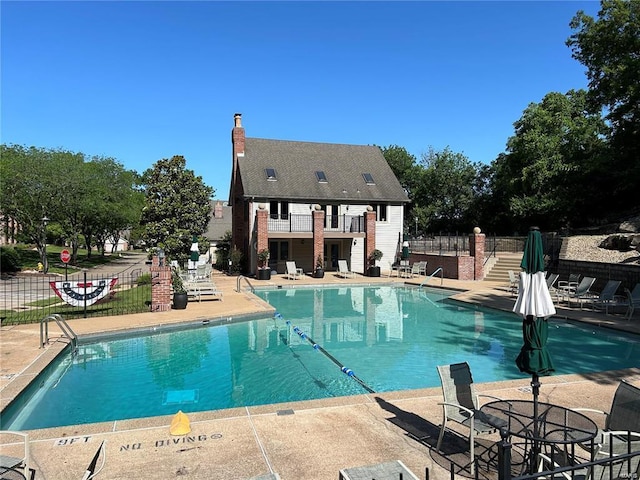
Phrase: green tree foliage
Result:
[177,206]
[406,169]
[445,192]
[610,49]
[62,186]
[556,147]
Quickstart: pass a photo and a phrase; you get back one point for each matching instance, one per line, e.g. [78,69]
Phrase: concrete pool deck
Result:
[302,440]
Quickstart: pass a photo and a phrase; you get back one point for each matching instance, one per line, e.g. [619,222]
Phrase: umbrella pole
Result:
[535,387]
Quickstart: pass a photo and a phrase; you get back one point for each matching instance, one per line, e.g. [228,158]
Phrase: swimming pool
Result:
[391,337]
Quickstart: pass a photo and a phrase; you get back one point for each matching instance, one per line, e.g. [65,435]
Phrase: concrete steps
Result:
[499,272]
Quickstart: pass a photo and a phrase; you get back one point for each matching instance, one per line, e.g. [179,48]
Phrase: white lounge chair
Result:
[343,270]
[199,289]
[293,272]
[633,297]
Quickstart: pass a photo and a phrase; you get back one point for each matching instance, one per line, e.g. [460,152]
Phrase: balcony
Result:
[304,223]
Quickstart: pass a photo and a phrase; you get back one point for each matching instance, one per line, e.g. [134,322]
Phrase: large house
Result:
[306,200]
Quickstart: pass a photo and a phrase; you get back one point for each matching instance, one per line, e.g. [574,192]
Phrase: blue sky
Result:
[141,81]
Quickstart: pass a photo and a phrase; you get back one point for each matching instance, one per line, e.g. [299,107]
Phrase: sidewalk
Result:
[302,440]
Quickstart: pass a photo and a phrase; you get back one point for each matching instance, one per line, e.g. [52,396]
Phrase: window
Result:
[278,210]
[271,174]
[278,251]
[322,178]
[368,178]
[381,212]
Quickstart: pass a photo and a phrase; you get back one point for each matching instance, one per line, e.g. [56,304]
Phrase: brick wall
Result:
[370,238]
[262,231]
[161,290]
[318,235]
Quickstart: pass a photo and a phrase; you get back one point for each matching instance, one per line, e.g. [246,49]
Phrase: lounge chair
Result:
[580,292]
[565,285]
[633,299]
[461,404]
[343,270]
[199,289]
[293,272]
[11,462]
[606,298]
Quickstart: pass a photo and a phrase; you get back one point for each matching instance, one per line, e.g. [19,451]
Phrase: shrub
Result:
[144,279]
[9,260]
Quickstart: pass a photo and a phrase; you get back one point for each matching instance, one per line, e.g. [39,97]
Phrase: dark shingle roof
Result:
[296,163]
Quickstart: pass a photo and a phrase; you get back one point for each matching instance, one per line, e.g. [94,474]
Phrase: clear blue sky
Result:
[141,81]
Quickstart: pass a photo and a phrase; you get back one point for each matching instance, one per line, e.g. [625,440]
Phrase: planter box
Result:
[319,273]
[264,274]
[374,271]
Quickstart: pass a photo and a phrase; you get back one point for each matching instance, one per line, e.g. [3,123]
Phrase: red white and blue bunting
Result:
[77,293]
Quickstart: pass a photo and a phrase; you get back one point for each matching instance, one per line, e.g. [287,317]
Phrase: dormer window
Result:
[368,178]
[271,174]
[322,178]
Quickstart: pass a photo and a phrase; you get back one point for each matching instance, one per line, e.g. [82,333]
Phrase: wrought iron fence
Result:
[457,244]
[28,299]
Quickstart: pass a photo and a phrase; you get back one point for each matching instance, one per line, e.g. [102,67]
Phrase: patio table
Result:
[556,428]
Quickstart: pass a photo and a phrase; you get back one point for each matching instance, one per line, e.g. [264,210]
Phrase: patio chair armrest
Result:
[592,410]
[449,404]
[484,395]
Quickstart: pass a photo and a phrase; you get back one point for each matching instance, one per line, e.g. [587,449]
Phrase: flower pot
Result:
[180,301]
[264,274]
[374,271]
[319,273]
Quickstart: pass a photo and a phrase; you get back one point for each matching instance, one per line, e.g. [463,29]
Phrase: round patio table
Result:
[556,428]
[555,424]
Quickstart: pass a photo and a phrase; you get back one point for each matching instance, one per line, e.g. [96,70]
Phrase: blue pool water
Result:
[392,338]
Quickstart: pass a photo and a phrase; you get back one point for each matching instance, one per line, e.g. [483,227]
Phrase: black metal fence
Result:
[458,244]
[304,223]
[29,298]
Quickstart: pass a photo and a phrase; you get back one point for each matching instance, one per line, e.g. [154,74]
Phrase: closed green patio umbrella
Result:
[535,305]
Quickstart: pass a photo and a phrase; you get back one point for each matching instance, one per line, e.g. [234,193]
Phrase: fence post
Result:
[504,455]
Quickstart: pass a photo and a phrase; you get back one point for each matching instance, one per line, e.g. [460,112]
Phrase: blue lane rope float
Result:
[343,369]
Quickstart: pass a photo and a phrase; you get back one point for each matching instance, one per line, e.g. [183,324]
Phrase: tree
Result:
[33,187]
[445,192]
[543,178]
[610,49]
[177,206]
[80,197]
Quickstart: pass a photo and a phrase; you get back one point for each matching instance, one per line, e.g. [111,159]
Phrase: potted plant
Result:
[319,272]
[374,257]
[180,298]
[264,272]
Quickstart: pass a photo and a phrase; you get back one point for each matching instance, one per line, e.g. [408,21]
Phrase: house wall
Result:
[388,233]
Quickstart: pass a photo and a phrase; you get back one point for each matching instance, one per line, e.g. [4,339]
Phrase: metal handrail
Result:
[240,278]
[63,325]
[439,269]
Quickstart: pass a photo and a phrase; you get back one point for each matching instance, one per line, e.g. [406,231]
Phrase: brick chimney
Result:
[237,136]
[217,210]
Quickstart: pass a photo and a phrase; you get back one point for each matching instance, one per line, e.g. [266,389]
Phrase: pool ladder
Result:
[63,325]
[439,269]
[240,278]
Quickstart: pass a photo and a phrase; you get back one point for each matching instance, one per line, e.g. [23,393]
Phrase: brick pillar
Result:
[476,247]
[161,290]
[370,235]
[318,234]
[262,231]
